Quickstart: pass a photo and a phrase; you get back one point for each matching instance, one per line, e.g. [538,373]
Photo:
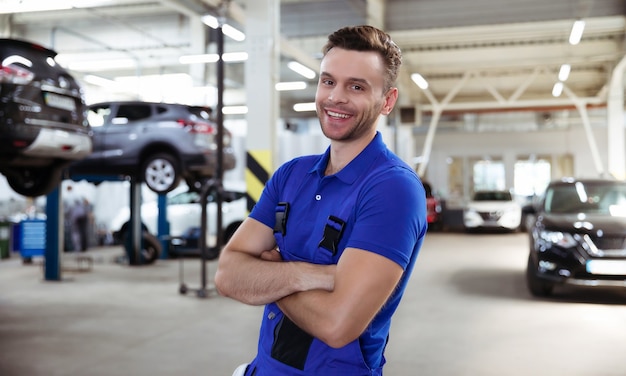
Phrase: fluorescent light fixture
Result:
[235,110]
[577,32]
[99,65]
[301,70]
[199,59]
[420,81]
[21,6]
[557,89]
[289,86]
[210,21]
[304,107]
[233,33]
[232,57]
[564,72]
[229,57]
[228,30]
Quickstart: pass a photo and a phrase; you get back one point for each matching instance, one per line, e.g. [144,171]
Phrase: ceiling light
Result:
[577,32]
[564,72]
[199,59]
[304,107]
[233,33]
[229,57]
[21,6]
[289,86]
[235,110]
[419,81]
[301,70]
[228,30]
[557,89]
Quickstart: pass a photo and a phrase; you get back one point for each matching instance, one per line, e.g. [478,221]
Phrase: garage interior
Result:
[487,115]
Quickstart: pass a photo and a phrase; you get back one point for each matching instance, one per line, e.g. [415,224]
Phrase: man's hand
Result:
[271,255]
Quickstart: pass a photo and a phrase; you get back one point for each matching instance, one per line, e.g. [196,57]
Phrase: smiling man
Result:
[331,243]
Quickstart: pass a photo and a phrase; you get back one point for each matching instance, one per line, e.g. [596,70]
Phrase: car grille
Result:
[490,216]
[606,246]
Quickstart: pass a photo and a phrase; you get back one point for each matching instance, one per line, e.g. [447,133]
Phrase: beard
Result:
[359,124]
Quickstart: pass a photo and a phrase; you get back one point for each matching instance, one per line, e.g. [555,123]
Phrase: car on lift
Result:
[43,118]
[160,144]
[492,210]
[184,214]
[579,236]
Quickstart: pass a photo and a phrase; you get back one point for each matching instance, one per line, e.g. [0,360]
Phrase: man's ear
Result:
[390,101]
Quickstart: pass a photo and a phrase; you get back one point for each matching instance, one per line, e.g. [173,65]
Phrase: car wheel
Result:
[34,182]
[149,252]
[151,248]
[536,285]
[161,173]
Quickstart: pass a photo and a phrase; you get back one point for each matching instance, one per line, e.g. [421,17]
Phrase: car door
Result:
[125,133]
[99,117]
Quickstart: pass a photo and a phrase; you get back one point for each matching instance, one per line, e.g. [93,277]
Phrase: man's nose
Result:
[337,95]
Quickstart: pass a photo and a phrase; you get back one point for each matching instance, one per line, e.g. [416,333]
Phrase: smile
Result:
[337,115]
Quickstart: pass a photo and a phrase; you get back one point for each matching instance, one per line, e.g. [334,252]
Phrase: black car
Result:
[43,118]
[158,143]
[579,236]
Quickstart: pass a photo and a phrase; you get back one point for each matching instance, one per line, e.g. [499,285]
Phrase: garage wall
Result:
[508,147]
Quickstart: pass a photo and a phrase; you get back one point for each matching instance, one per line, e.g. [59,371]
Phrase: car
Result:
[160,144]
[433,208]
[184,216]
[43,118]
[579,236]
[492,209]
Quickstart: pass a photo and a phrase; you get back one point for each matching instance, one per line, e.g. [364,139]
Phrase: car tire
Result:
[33,182]
[161,173]
[536,285]
[149,252]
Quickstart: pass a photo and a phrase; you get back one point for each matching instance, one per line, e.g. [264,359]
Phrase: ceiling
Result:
[479,55]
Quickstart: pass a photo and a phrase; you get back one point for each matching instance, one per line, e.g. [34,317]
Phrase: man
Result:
[331,243]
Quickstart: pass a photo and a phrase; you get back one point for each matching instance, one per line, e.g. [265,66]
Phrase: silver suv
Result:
[158,143]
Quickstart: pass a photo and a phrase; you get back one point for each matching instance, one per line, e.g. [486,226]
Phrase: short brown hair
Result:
[369,38]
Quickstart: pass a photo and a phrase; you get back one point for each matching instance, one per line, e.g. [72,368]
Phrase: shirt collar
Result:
[358,165]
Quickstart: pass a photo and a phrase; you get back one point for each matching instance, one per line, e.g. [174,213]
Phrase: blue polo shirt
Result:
[375,203]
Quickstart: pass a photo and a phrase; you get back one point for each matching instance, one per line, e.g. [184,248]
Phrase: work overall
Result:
[284,348]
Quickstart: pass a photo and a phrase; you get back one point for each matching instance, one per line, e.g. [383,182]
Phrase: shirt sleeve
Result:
[391,215]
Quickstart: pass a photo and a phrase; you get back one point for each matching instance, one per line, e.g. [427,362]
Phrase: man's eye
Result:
[357,87]
[327,82]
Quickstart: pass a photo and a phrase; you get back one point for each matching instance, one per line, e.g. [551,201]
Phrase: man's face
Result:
[350,95]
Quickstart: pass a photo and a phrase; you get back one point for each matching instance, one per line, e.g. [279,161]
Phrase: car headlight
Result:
[562,239]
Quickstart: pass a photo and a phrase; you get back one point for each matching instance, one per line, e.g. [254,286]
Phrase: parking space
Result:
[466,312]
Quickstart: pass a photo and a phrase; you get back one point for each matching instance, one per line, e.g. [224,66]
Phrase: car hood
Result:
[589,223]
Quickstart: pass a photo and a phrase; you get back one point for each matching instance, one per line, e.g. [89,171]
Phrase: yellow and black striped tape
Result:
[258,170]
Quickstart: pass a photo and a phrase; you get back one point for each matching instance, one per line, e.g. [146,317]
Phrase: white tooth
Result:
[335,114]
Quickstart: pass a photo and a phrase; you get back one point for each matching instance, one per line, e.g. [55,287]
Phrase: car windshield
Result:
[493,196]
[593,198]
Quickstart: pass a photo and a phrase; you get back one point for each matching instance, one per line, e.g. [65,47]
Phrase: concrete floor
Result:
[466,312]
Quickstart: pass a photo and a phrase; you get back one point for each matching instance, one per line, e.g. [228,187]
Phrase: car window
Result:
[587,198]
[97,115]
[201,112]
[132,112]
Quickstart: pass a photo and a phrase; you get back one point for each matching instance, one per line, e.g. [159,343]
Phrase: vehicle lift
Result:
[134,243]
